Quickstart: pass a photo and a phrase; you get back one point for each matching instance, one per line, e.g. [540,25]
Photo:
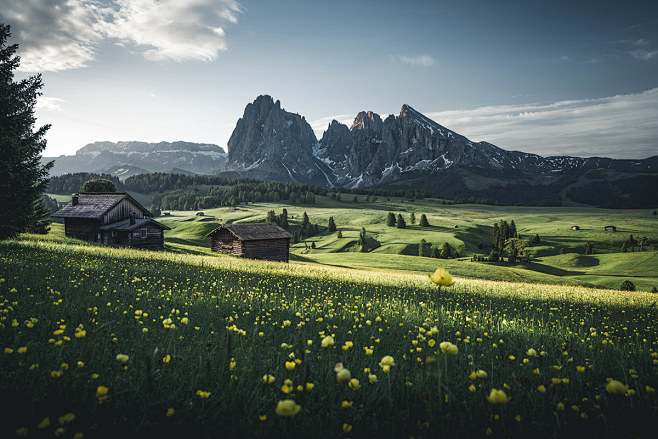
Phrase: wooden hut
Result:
[610,228]
[575,227]
[266,241]
[112,218]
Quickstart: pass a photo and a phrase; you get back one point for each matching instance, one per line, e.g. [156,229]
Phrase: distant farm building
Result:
[111,218]
[266,241]
[610,228]
[575,227]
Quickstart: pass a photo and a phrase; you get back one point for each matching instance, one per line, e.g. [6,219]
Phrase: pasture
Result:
[558,259]
[102,342]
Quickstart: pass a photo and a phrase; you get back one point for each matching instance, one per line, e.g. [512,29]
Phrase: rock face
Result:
[124,159]
[410,151]
[410,146]
[269,143]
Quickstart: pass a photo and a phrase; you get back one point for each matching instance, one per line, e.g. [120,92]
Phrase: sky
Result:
[547,77]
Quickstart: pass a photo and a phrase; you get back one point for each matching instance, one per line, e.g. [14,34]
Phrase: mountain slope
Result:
[128,158]
[269,143]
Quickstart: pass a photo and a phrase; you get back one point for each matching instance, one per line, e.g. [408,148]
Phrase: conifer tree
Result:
[423,221]
[400,223]
[23,179]
[390,219]
[332,224]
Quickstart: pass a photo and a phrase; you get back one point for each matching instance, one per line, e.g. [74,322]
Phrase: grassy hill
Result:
[559,258]
[108,342]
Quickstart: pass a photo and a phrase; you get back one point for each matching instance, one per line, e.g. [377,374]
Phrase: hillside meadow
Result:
[103,342]
[558,259]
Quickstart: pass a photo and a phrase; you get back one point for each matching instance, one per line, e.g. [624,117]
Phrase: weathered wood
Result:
[82,228]
[122,211]
[224,240]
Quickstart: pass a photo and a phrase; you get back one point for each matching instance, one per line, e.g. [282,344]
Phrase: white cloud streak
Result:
[173,29]
[622,126]
[49,104]
[55,35]
[423,60]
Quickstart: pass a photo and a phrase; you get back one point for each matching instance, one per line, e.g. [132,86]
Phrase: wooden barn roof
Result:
[125,225]
[95,205]
[254,231]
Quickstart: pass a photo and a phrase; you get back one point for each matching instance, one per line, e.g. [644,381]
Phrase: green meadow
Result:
[108,342]
[559,258]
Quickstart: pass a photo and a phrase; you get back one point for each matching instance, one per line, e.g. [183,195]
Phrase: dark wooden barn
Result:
[111,218]
[265,241]
[610,228]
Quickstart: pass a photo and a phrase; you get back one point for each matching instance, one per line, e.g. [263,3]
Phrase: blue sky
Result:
[552,78]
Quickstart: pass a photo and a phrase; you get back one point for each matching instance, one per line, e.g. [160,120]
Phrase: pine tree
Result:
[362,240]
[23,179]
[436,253]
[271,217]
[339,234]
[332,224]
[496,237]
[421,248]
[305,220]
[400,223]
[624,249]
[423,221]
[412,218]
[446,253]
[390,219]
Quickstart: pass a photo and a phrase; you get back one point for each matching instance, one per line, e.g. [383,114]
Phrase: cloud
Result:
[49,104]
[424,60]
[173,29]
[55,35]
[644,55]
[622,126]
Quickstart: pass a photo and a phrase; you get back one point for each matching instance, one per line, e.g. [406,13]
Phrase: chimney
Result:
[132,218]
[74,200]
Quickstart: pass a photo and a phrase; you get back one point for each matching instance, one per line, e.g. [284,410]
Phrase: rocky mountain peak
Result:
[366,120]
[271,143]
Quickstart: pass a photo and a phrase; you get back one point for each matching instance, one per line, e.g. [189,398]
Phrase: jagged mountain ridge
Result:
[271,143]
[124,159]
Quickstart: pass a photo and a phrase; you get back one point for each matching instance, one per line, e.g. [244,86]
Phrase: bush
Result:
[98,185]
[627,285]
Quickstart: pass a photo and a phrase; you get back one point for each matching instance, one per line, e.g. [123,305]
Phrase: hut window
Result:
[114,233]
[143,233]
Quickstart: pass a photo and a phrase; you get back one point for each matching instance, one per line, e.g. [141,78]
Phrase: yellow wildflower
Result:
[442,277]
[498,397]
[287,407]
[122,358]
[170,412]
[448,348]
[616,387]
[386,363]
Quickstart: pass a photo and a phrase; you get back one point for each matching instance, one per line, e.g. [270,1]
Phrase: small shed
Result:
[266,241]
[575,227]
[610,228]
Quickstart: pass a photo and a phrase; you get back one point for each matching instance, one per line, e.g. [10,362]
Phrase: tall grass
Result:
[200,333]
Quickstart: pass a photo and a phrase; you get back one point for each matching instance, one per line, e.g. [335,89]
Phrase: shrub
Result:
[627,285]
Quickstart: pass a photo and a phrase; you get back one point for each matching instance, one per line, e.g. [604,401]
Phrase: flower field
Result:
[100,342]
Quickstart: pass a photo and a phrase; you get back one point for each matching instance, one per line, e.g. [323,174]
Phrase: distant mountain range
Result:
[407,151]
[124,159]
